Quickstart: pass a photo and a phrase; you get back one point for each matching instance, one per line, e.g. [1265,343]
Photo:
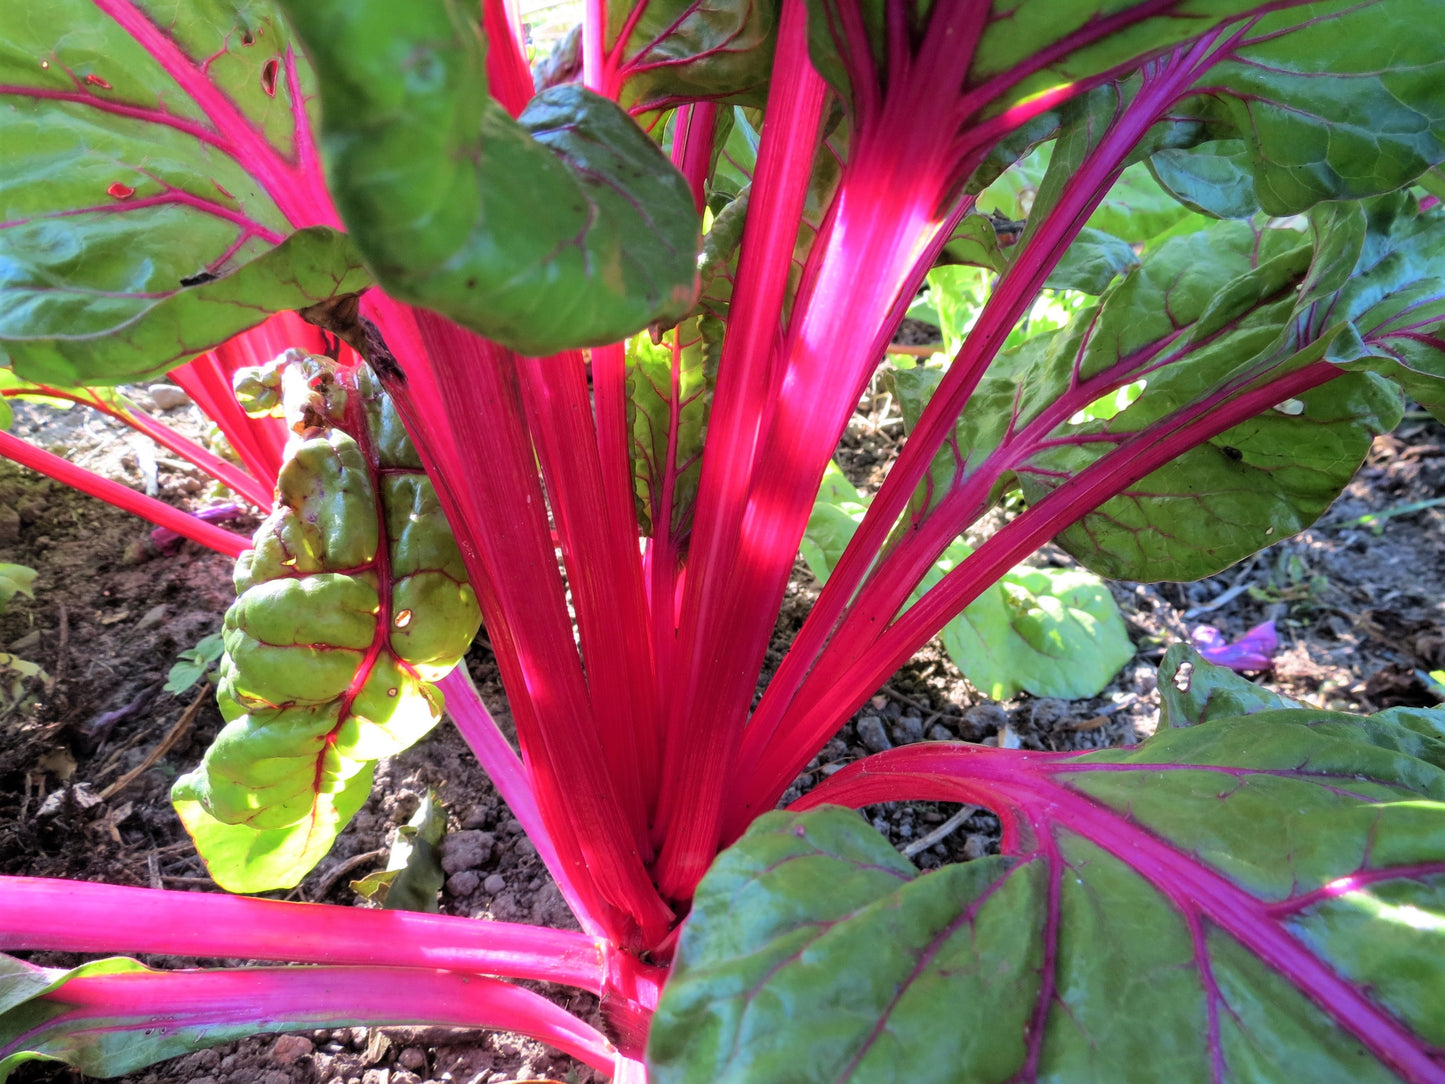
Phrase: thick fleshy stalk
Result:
[257,492]
[702,737]
[462,406]
[598,536]
[221,1005]
[1165,81]
[123,497]
[76,916]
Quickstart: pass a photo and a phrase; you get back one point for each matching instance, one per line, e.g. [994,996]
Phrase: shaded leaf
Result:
[566,227]
[679,50]
[15,580]
[413,876]
[1192,691]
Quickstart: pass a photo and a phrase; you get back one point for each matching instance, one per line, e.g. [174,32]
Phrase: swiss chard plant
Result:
[573,357]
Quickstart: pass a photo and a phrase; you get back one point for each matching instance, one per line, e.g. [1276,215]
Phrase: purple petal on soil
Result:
[167,539]
[1252,651]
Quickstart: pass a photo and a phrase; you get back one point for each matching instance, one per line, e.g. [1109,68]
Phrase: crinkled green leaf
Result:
[15,580]
[1344,105]
[1271,888]
[413,876]
[151,184]
[245,858]
[1047,631]
[566,227]
[343,619]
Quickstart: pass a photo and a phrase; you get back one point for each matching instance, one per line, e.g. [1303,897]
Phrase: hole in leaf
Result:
[1292,407]
[268,76]
[248,38]
[1106,406]
[120,191]
[403,619]
[96,81]
[1184,676]
[45,65]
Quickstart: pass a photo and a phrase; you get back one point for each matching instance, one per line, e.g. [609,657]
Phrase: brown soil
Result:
[1359,611]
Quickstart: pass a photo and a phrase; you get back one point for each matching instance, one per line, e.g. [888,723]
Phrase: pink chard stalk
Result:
[566,349]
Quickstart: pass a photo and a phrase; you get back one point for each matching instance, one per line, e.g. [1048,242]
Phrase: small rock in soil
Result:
[939,733]
[291,1048]
[985,717]
[466,850]
[413,1057]
[494,883]
[872,734]
[908,730]
[464,883]
[167,396]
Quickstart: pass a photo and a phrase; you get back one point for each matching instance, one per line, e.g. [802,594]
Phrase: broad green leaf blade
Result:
[678,51]
[155,164]
[352,602]
[135,338]
[1343,106]
[1234,309]
[1396,297]
[1311,950]
[564,228]
[1046,631]
[1214,178]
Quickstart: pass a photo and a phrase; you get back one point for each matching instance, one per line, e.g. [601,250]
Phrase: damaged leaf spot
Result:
[1184,676]
[403,619]
[120,191]
[93,79]
[268,76]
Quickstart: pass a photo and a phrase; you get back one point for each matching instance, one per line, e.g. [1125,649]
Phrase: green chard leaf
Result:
[1346,104]
[565,227]
[1309,949]
[352,602]
[1234,309]
[680,51]
[413,876]
[1046,631]
[155,200]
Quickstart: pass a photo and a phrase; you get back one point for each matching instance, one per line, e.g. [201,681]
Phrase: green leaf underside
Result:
[1143,879]
[564,228]
[342,620]
[140,224]
[1046,631]
[414,875]
[682,49]
[1224,309]
[128,338]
